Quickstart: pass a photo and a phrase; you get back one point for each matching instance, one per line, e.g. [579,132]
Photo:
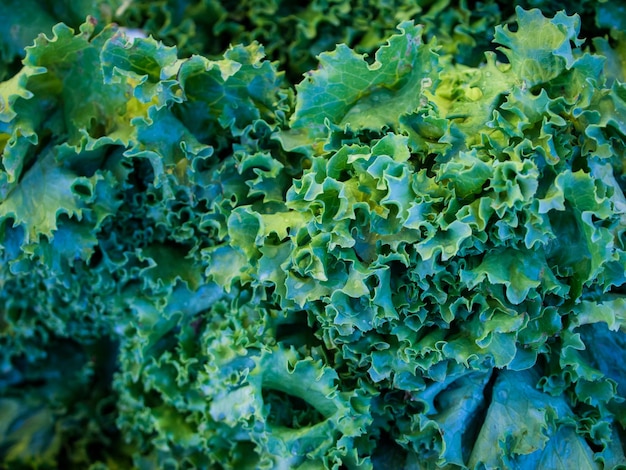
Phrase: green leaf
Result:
[613,454]
[541,48]
[466,173]
[615,65]
[565,449]
[347,90]
[72,240]
[611,311]
[14,89]
[519,271]
[45,192]
[467,98]
[459,405]
[169,263]
[601,346]
[234,91]
[520,420]
[149,65]
[90,107]
[168,145]
[447,241]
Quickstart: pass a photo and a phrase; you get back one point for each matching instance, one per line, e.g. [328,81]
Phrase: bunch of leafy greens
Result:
[411,259]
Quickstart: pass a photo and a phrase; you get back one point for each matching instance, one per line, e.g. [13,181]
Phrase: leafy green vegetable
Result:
[414,257]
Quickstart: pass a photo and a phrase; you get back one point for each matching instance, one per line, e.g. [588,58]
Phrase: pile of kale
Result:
[344,234]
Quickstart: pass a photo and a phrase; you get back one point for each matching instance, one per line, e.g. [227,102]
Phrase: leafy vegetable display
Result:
[364,235]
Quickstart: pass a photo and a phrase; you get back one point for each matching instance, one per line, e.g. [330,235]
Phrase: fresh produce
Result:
[377,235]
